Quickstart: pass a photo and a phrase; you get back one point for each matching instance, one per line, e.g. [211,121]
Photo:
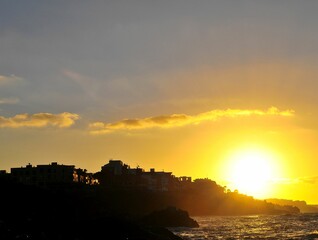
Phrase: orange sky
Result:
[212,89]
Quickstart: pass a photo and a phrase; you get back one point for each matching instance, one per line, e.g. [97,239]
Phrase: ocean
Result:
[300,226]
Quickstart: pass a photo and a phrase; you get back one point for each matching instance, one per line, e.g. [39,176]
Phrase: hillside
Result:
[302,205]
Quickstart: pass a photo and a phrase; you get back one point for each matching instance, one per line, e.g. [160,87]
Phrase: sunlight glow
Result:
[251,171]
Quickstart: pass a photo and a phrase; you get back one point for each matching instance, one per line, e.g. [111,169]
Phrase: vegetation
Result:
[201,197]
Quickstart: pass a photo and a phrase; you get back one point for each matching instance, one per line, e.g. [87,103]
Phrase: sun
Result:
[251,171]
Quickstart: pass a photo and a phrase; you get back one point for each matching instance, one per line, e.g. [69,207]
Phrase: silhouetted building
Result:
[114,167]
[184,182]
[158,181]
[4,174]
[48,175]
[116,174]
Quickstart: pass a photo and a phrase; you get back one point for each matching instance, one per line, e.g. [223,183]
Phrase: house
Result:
[158,181]
[49,175]
[116,174]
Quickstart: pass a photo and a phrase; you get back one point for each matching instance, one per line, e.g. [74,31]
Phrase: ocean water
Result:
[301,226]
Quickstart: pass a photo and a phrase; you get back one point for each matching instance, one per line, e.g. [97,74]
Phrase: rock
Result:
[170,217]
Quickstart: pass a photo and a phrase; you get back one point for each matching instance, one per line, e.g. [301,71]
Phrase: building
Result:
[116,174]
[158,181]
[184,182]
[4,174]
[114,167]
[49,175]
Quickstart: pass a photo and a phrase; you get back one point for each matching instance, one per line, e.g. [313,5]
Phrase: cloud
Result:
[9,79]
[308,180]
[9,100]
[87,84]
[39,120]
[177,120]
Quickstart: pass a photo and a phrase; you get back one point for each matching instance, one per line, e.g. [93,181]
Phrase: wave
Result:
[298,226]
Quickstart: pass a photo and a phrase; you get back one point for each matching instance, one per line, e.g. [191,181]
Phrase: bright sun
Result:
[250,171]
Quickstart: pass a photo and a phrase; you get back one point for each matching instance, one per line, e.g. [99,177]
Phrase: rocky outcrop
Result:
[170,217]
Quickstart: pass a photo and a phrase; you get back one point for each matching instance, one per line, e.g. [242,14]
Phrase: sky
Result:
[181,86]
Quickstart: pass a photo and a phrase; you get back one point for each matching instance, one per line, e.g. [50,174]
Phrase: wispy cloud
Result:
[39,120]
[9,100]
[9,79]
[177,120]
[87,84]
[308,180]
